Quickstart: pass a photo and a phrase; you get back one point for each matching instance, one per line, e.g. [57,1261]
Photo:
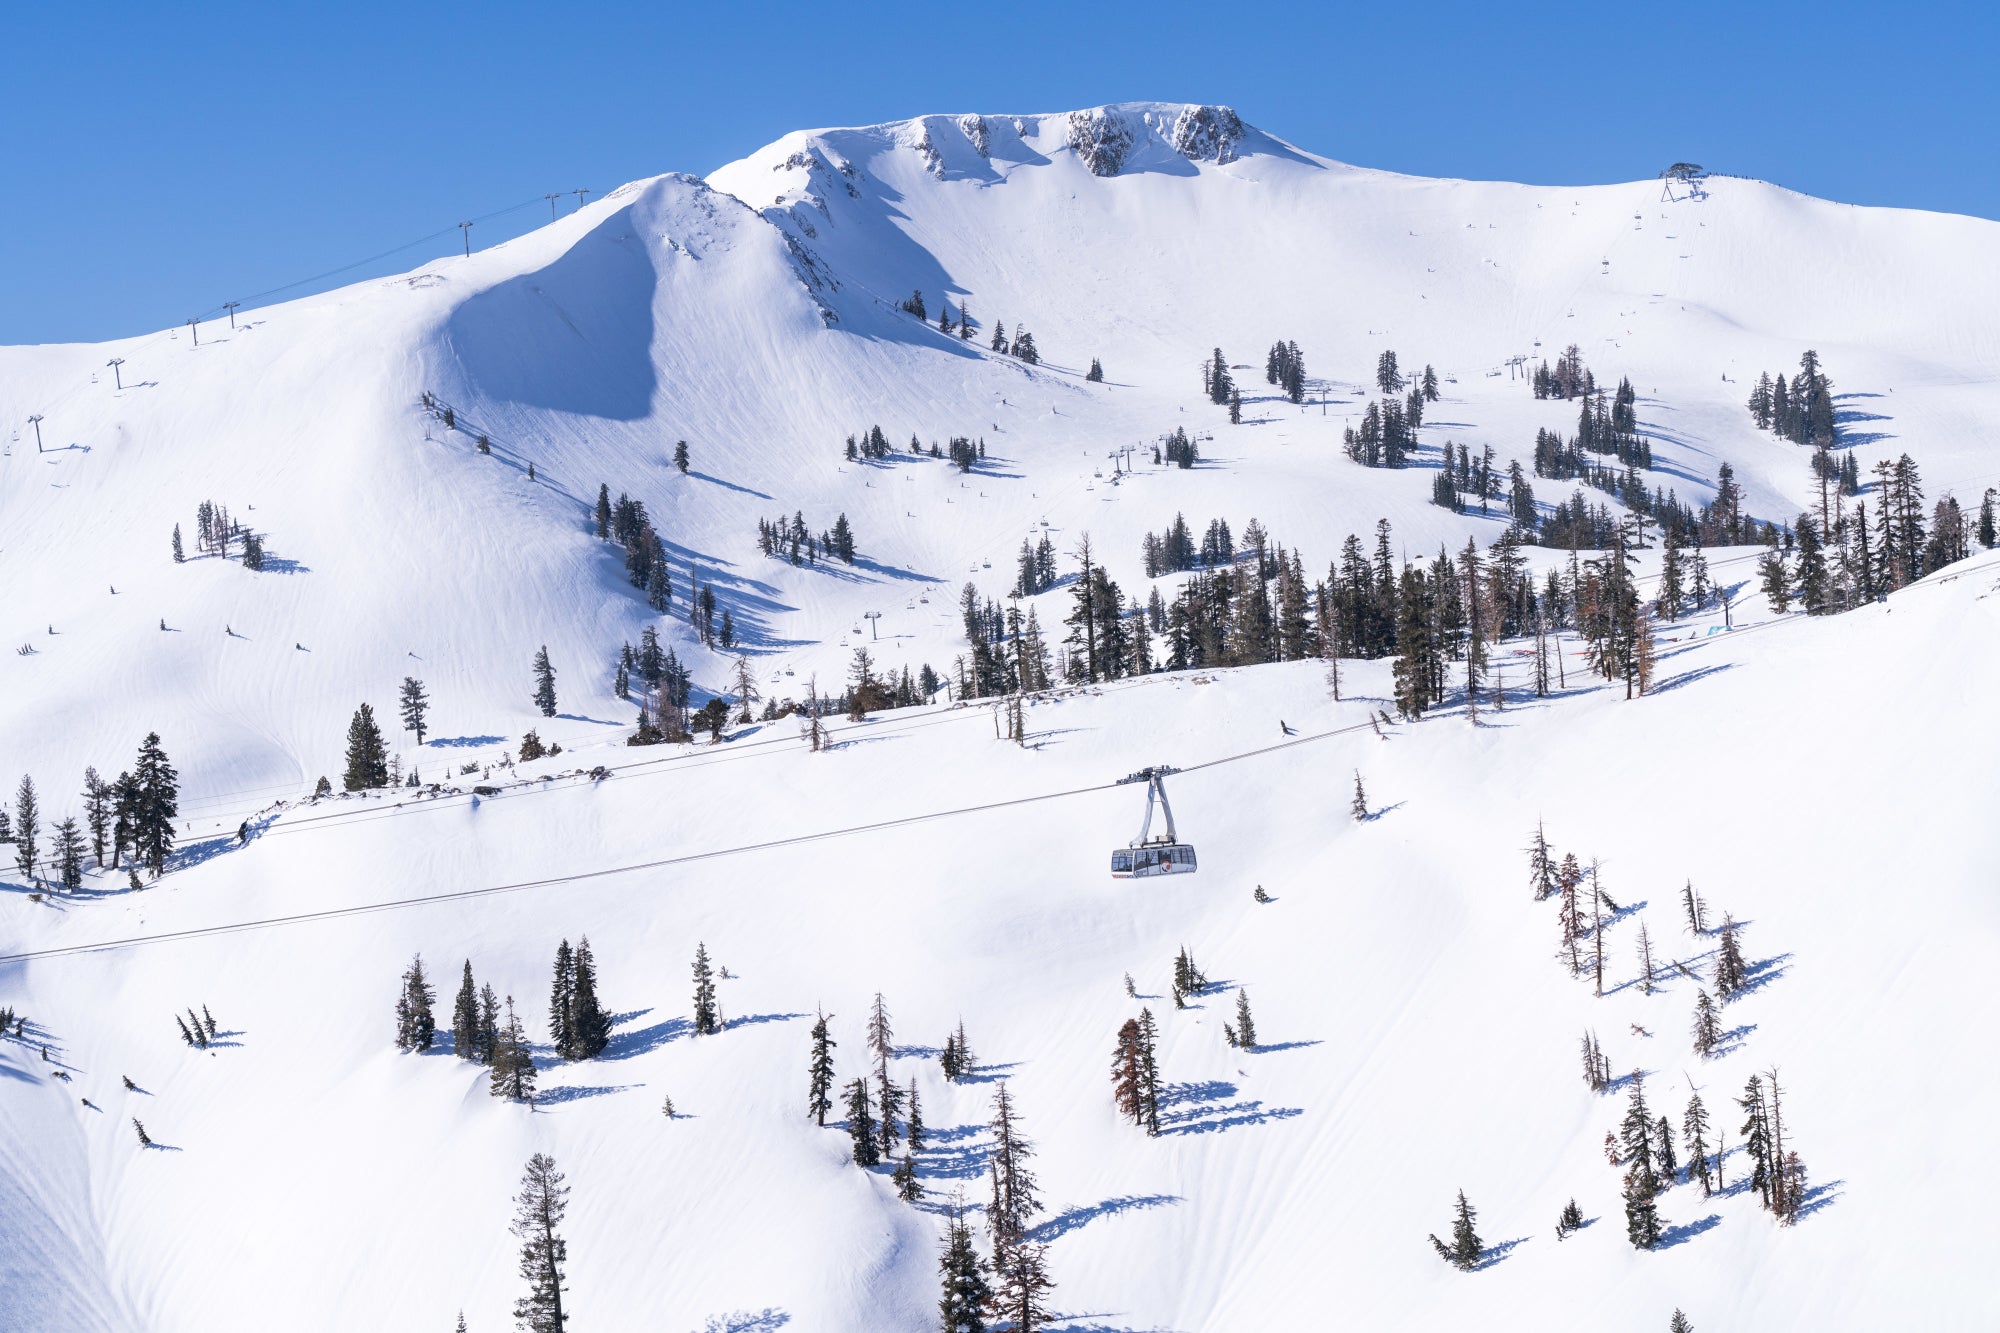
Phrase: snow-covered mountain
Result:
[1823,780]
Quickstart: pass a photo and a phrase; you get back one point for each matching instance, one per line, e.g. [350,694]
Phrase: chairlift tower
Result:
[117,376]
[36,422]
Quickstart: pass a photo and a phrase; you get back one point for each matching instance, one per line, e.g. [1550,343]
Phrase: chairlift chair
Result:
[1147,855]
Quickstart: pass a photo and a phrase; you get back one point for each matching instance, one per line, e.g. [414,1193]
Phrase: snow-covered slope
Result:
[1825,781]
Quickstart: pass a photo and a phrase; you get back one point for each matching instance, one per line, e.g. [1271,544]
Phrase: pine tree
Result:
[487,1040]
[1694,1138]
[681,456]
[861,1124]
[966,1295]
[913,1125]
[1693,905]
[1541,866]
[888,1095]
[1679,1323]
[1014,1187]
[1359,806]
[1645,960]
[1125,1071]
[538,1211]
[513,1064]
[180,555]
[1665,1149]
[415,1027]
[904,1178]
[1022,1295]
[819,1093]
[1466,1248]
[68,853]
[1643,1222]
[590,1025]
[545,682]
[1707,1028]
[562,1000]
[27,828]
[707,1015]
[1095,374]
[155,802]
[465,1017]
[1569,1221]
[97,810]
[1757,1139]
[1149,1074]
[1569,911]
[1246,1027]
[414,705]
[367,758]
[1730,973]
[140,1129]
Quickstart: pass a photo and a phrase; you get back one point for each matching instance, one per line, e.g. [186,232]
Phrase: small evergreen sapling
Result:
[1246,1027]
[137,1126]
[1569,1221]
[1359,807]
[545,682]
[1679,1323]
[707,1014]
[1466,1248]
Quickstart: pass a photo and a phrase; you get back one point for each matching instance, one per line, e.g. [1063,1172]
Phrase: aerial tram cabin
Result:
[1147,855]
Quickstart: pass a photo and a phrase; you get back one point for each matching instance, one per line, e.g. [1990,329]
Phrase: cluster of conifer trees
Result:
[1835,559]
[1180,451]
[784,539]
[625,521]
[1022,347]
[1387,436]
[1569,378]
[130,816]
[1644,1144]
[1174,550]
[1801,412]
[1036,567]
[1285,367]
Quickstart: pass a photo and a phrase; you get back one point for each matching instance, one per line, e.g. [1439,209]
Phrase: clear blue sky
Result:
[160,159]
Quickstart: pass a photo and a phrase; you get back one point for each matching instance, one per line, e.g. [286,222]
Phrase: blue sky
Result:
[158,160]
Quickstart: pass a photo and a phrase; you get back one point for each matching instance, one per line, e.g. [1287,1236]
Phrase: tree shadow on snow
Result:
[726,485]
[1760,974]
[1069,1219]
[954,1153]
[1687,1231]
[625,1045]
[749,1020]
[988,1073]
[465,742]
[1209,1111]
[558,1096]
[1271,1047]
[1690,676]
[1496,1254]
[1820,1196]
[746,1321]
